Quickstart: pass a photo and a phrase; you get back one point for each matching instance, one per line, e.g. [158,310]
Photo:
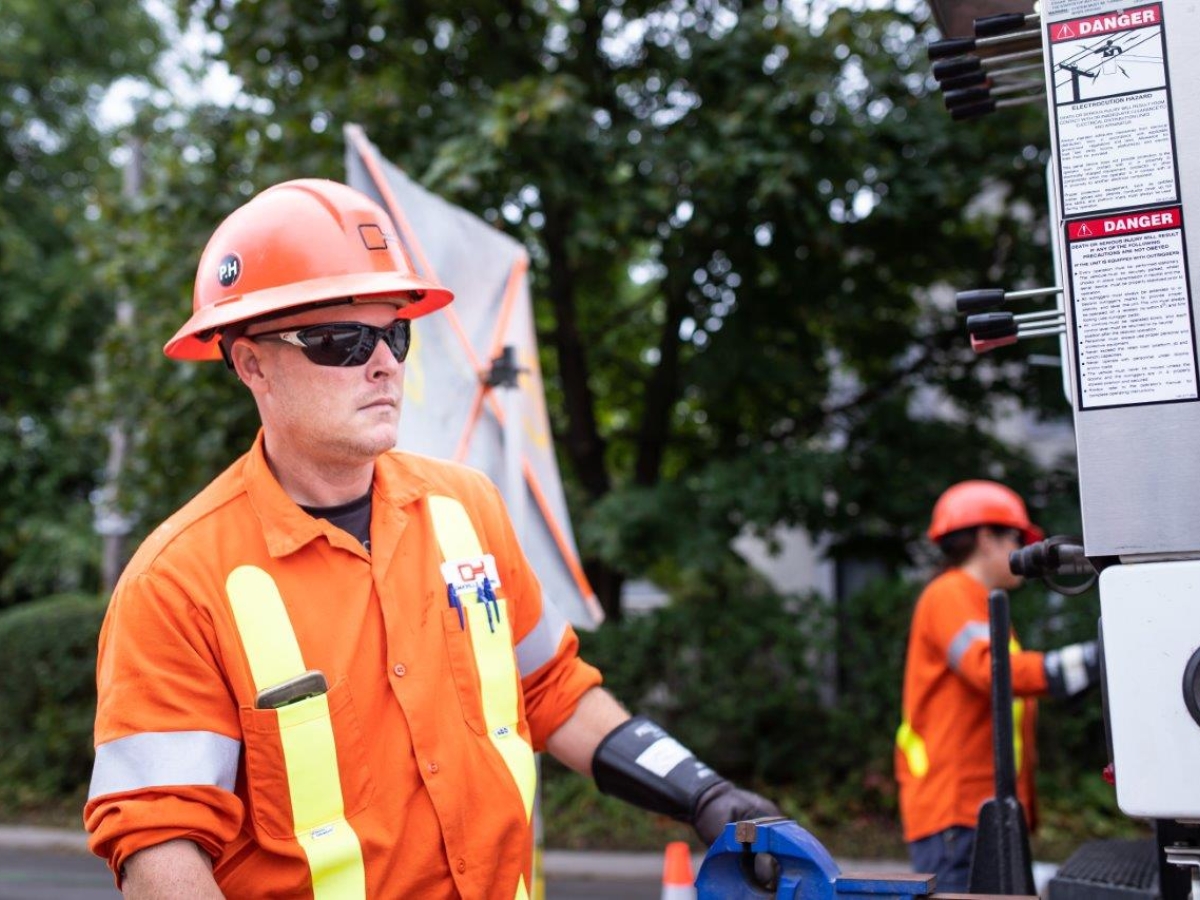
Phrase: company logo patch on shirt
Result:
[323,831]
[469,572]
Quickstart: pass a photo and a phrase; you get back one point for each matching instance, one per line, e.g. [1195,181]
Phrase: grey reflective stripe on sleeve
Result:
[159,758]
[969,634]
[539,646]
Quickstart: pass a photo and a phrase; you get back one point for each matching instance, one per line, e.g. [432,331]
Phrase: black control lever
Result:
[1002,23]
[987,299]
[1055,556]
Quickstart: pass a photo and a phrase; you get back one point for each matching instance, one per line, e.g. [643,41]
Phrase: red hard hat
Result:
[972,503]
[296,244]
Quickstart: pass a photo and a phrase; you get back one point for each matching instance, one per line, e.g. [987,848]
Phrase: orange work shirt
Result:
[944,756]
[182,752]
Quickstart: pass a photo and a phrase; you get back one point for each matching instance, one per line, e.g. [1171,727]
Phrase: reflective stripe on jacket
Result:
[437,807]
[944,755]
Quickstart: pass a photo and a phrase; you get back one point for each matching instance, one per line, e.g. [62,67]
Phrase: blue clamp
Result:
[805,870]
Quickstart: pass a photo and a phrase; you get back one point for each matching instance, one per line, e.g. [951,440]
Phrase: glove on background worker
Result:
[639,762]
[1072,669]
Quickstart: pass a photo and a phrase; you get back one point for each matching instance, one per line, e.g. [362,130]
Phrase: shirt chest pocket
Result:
[480,652]
[306,765]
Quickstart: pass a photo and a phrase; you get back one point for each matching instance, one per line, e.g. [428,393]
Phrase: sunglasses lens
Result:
[399,337]
[337,344]
[351,344]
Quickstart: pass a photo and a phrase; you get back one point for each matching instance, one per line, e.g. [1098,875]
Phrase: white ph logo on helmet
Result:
[230,269]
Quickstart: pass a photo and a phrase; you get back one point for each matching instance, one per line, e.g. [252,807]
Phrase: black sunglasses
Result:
[343,343]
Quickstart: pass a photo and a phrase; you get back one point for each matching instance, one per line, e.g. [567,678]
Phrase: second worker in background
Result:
[944,757]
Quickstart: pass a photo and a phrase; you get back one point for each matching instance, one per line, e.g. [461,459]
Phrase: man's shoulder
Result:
[952,580]
[953,592]
[180,526]
[440,476]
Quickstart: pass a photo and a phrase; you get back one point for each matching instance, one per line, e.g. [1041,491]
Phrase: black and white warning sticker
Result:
[1054,8]
[1112,109]
[1132,309]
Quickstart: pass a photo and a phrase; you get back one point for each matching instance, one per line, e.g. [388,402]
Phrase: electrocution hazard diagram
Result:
[1113,111]
[1102,55]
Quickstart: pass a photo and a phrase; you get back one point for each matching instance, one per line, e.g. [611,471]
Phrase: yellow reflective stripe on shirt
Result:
[306,733]
[1018,714]
[494,657]
[264,627]
[492,643]
[456,535]
[912,745]
[1018,735]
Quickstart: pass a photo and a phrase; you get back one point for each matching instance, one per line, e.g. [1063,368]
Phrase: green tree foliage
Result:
[183,422]
[736,215]
[56,61]
[676,664]
[47,695]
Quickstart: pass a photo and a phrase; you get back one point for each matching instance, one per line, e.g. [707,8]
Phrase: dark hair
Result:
[957,546]
[225,339]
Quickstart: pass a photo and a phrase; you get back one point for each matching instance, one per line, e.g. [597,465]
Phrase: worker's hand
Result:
[1072,669]
[723,803]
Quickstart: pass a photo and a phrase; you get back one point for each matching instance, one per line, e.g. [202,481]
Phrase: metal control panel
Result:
[1122,80]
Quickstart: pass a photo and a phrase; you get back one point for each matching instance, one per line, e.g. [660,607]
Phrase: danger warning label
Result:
[1109,23]
[1113,120]
[1132,309]
[1130,224]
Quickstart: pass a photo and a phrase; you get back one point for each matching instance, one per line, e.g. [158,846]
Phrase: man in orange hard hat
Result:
[326,676]
[944,757]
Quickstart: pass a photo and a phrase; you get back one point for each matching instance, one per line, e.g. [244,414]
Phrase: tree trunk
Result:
[607,583]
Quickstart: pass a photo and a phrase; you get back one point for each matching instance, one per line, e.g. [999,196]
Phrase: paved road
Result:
[49,864]
[53,875]
[69,875]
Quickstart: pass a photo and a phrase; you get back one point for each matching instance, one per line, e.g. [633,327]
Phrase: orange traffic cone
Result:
[678,883]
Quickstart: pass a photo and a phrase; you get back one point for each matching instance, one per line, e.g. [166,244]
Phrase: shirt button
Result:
[461,865]
[399,669]
[433,767]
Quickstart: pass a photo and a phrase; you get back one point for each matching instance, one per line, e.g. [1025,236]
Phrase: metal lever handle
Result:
[985,299]
[987,26]
[956,46]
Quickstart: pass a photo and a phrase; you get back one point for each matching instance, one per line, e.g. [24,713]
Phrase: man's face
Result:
[328,415]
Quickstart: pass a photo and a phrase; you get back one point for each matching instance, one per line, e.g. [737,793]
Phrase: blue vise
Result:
[802,868]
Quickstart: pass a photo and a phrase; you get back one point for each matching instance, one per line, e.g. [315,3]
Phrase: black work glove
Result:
[725,802]
[1072,669]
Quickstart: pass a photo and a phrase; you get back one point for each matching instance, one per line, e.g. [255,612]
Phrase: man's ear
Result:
[244,357]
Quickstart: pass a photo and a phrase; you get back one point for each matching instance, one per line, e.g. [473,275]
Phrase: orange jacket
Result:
[182,752]
[944,756]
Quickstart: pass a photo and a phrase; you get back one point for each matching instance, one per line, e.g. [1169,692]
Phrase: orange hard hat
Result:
[297,244]
[972,503]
